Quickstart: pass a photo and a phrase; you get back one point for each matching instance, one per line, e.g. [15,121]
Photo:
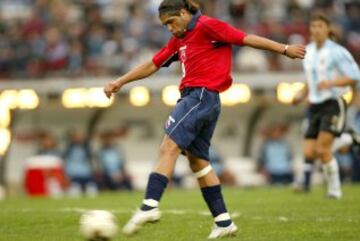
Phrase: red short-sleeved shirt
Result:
[204,53]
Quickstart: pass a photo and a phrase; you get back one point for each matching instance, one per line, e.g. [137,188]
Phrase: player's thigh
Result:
[200,147]
[207,118]
[311,126]
[333,118]
[197,165]
[169,147]
[181,124]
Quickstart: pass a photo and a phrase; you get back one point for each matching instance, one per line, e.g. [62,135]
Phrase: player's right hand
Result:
[111,89]
[296,51]
[299,97]
[297,100]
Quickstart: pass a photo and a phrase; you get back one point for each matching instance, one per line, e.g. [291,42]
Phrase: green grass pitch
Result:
[265,214]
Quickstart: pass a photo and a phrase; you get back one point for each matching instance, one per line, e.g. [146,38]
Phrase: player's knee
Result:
[169,148]
[194,165]
[310,153]
[201,171]
[323,152]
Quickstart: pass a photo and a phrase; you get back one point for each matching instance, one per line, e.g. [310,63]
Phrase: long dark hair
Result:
[173,7]
[319,16]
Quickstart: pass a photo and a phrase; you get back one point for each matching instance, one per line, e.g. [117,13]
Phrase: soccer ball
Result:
[98,225]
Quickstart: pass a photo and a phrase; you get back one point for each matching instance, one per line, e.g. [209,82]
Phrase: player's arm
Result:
[224,32]
[140,72]
[339,82]
[294,51]
[346,64]
[301,95]
[163,58]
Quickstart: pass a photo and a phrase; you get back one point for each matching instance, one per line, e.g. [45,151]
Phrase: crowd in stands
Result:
[89,38]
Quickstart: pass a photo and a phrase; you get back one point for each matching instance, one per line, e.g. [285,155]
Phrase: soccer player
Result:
[330,70]
[203,47]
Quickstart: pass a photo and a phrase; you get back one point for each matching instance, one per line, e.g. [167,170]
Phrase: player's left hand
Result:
[299,97]
[296,51]
[324,85]
[111,89]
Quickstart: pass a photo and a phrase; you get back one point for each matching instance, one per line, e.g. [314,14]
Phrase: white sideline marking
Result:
[283,219]
[71,210]
[176,212]
[325,219]
[179,212]
[125,211]
[26,210]
[204,213]
[235,215]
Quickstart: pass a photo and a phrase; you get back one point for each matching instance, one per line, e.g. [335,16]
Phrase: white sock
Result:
[331,172]
[151,203]
[223,220]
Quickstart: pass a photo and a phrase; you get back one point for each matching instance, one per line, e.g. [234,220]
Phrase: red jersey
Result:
[204,53]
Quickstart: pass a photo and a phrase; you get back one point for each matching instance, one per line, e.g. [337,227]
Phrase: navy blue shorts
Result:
[192,123]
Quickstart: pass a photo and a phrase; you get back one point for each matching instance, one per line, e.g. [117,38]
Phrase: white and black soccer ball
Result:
[98,225]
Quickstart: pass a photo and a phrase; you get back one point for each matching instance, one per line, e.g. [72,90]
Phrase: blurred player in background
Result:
[203,46]
[331,71]
[348,144]
[79,166]
[112,165]
[276,156]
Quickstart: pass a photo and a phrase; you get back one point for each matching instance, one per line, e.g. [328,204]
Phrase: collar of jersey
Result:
[326,44]
[193,21]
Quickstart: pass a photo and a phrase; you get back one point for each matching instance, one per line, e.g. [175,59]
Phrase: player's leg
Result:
[158,180]
[198,155]
[211,191]
[329,163]
[310,157]
[179,134]
[332,125]
[312,127]
[203,171]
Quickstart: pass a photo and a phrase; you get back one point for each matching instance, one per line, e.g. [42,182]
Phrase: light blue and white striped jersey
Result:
[328,63]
